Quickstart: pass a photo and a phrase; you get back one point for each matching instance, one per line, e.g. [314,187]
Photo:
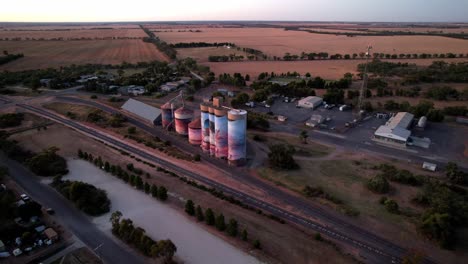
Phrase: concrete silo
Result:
[205,124]
[195,132]
[167,115]
[183,117]
[212,131]
[237,137]
[221,132]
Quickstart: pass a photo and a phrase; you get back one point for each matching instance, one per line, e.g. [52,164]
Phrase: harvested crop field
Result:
[72,34]
[44,54]
[327,69]
[64,26]
[276,42]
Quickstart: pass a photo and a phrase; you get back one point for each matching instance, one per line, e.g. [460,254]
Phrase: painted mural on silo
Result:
[195,132]
[212,132]
[221,136]
[237,136]
[205,123]
[166,114]
[183,117]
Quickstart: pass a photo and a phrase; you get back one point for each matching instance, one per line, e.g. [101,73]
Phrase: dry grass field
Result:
[73,34]
[63,26]
[276,42]
[327,69]
[44,54]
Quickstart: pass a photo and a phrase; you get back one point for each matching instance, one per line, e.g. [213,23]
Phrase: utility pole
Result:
[364,83]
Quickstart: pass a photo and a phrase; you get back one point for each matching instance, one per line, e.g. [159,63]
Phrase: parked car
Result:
[24,197]
[50,211]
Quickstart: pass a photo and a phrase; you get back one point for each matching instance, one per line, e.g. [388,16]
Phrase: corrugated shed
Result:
[142,110]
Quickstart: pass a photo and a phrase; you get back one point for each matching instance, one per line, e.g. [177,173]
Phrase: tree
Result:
[131,130]
[48,163]
[209,217]
[28,210]
[162,193]
[391,206]
[455,175]
[435,115]
[256,244]
[438,227]
[166,250]
[220,223]
[106,166]
[80,154]
[232,227]
[190,207]
[378,184]
[154,190]
[147,187]
[138,182]
[303,136]
[247,77]
[281,156]
[244,235]
[199,214]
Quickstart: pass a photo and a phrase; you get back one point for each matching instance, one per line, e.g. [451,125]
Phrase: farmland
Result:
[202,54]
[276,41]
[72,34]
[327,69]
[44,54]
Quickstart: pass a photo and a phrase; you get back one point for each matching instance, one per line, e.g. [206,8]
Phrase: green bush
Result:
[378,184]
[11,120]
[48,163]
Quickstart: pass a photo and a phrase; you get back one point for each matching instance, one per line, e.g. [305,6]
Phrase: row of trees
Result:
[210,218]
[134,180]
[136,236]
[423,108]
[183,45]
[237,79]
[161,45]
[9,57]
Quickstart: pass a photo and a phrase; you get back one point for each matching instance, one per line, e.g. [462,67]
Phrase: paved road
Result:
[372,246]
[70,217]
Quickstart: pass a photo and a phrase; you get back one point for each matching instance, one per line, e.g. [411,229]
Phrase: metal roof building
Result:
[310,102]
[147,112]
[396,129]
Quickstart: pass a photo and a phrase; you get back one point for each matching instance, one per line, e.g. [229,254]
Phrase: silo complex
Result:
[237,137]
[212,131]
[205,125]
[166,114]
[221,133]
[183,117]
[195,132]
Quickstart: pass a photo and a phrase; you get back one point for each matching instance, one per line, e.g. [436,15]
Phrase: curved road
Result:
[376,248]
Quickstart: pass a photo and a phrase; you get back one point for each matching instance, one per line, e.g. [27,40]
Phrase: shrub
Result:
[378,184]
[48,163]
[391,206]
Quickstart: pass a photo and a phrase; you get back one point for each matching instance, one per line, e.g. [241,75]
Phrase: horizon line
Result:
[241,20]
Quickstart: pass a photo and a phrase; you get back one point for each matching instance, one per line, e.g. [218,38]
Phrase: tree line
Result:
[211,218]
[183,45]
[134,180]
[124,229]
[10,57]
[161,45]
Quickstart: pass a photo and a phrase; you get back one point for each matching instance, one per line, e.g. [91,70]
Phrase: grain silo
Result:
[183,117]
[212,131]
[167,114]
[205,124]
[221,132]
[237,137]
[195,132]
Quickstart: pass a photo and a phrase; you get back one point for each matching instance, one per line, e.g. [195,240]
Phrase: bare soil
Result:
[73,34]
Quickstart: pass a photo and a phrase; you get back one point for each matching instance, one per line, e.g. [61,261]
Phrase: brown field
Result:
[202,54]
[327,69]
[277,42]
[26,26]
[73,34]
[423,30]
[44,54]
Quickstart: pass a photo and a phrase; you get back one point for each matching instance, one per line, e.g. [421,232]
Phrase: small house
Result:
[51,234]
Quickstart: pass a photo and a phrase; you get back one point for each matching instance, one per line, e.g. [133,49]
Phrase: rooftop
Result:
[402,120]
[143,110]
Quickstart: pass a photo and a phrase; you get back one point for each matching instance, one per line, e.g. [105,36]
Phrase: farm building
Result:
[51,234]
[310,102]
[144,111]
[396,130]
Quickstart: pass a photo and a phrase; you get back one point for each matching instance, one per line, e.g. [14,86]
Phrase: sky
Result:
[276,10]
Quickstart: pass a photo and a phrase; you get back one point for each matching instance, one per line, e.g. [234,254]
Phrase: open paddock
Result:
[65,26]
[276,41]
[45,54]
[72,34]
[327,69]
[202,54]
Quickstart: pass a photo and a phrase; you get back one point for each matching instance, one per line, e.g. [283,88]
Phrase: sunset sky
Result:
[177,10]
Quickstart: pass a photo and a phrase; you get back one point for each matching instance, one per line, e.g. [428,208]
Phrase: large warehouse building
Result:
[311,102]
[396,130]
[144,111]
